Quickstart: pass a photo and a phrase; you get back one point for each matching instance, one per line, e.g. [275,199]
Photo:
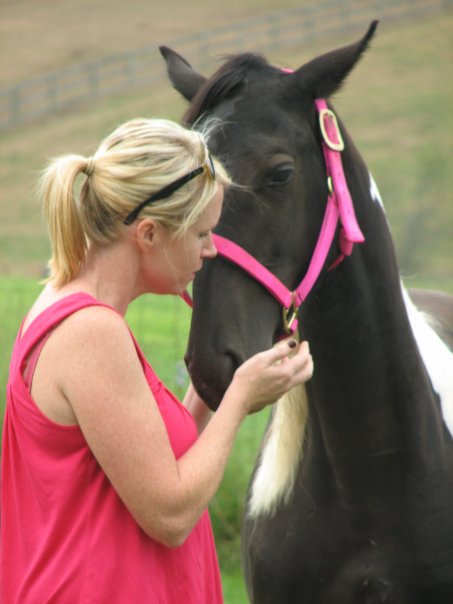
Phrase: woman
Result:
[105,480]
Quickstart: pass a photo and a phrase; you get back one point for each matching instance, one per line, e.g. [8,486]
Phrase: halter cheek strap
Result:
[339,209]
[237,255]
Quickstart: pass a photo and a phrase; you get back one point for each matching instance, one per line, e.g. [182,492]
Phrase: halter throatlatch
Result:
[339,209]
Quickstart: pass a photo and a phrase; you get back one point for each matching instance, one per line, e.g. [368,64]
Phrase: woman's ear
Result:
[147,233]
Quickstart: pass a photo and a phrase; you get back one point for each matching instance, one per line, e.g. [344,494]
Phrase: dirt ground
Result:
[37,36]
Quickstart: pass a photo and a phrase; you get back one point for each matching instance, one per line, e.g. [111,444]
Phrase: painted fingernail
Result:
[292,343]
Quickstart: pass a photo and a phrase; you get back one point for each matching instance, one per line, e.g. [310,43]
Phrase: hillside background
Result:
[397,105]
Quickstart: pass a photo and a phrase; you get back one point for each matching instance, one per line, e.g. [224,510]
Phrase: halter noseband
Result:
[339,209]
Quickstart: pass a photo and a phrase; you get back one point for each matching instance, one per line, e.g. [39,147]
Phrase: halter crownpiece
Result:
[339,209]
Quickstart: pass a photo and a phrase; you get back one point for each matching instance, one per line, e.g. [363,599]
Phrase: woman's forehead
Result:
[211,214]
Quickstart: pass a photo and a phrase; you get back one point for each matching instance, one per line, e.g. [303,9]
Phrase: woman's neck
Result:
[109,274]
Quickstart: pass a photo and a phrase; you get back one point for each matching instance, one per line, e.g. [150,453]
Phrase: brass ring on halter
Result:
[289,316]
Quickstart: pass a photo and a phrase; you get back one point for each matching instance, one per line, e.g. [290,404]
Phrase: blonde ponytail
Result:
[62,213]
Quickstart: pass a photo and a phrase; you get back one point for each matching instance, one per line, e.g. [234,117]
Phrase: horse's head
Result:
[265,129]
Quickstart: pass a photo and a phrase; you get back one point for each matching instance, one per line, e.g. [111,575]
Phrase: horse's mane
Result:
[228,79]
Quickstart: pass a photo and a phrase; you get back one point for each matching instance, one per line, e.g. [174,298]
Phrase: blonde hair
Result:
[138,159]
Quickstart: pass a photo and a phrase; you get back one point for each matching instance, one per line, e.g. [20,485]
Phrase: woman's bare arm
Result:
[100,375]
[197,407]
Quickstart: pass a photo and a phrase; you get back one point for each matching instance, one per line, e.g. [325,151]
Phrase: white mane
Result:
[281,454]
[437,357]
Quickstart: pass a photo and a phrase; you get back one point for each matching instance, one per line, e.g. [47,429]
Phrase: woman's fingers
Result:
[282,351]
[265,377]
[289,364]
[289,349]
[307,367]
[299,365]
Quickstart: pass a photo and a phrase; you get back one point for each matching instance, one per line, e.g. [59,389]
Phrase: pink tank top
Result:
[66,537]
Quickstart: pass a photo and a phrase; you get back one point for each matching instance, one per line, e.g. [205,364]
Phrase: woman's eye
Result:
[281,175]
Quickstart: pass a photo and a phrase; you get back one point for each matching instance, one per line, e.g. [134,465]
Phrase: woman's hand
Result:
[268,375]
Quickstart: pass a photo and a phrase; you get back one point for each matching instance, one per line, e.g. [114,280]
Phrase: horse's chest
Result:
[324,558]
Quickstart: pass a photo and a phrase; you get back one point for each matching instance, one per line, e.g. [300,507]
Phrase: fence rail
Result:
[81,83]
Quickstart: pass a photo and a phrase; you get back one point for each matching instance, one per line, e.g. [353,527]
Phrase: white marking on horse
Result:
[281,453]
[374,192]
[437,357]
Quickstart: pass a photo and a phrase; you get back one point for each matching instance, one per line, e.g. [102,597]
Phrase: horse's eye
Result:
[281,175]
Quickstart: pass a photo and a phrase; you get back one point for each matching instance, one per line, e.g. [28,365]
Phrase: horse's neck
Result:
[370,388]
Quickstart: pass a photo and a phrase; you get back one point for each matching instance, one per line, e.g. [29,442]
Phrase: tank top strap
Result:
[140,354]
[33,360]
[49,319]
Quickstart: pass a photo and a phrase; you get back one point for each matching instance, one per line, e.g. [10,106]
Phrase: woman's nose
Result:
[210,251]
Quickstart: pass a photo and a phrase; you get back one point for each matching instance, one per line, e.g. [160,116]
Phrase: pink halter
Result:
[339,209]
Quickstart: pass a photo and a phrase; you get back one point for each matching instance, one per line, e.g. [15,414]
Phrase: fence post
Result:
[308,25]
[130,70]
[274,31]
[52,92]
[203,50]
[93,79]
[239,37]
[16,101]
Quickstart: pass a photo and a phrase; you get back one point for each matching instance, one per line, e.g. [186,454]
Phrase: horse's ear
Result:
[324,75]
[182,75]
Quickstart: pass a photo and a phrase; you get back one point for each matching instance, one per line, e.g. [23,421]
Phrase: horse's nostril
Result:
[234,359]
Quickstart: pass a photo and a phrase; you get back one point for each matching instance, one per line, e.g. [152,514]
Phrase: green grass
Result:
[233,588]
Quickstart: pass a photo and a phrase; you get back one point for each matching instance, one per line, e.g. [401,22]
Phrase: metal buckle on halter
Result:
[330,115]
[330,185]
[289,316]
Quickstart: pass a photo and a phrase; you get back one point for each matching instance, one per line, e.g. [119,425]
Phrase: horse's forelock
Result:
[226,81]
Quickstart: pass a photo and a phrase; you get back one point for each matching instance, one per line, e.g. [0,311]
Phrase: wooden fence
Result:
[80,83]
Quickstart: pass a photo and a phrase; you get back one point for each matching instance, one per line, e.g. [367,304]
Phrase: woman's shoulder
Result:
[81,327]
[93,340]
[95,323]
[73,309]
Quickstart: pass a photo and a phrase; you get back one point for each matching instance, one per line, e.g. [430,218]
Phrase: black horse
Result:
[352,496]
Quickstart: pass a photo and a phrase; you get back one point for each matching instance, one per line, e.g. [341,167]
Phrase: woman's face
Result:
[177,260]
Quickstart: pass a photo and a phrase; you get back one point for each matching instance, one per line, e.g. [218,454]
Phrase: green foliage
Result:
[233,587]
